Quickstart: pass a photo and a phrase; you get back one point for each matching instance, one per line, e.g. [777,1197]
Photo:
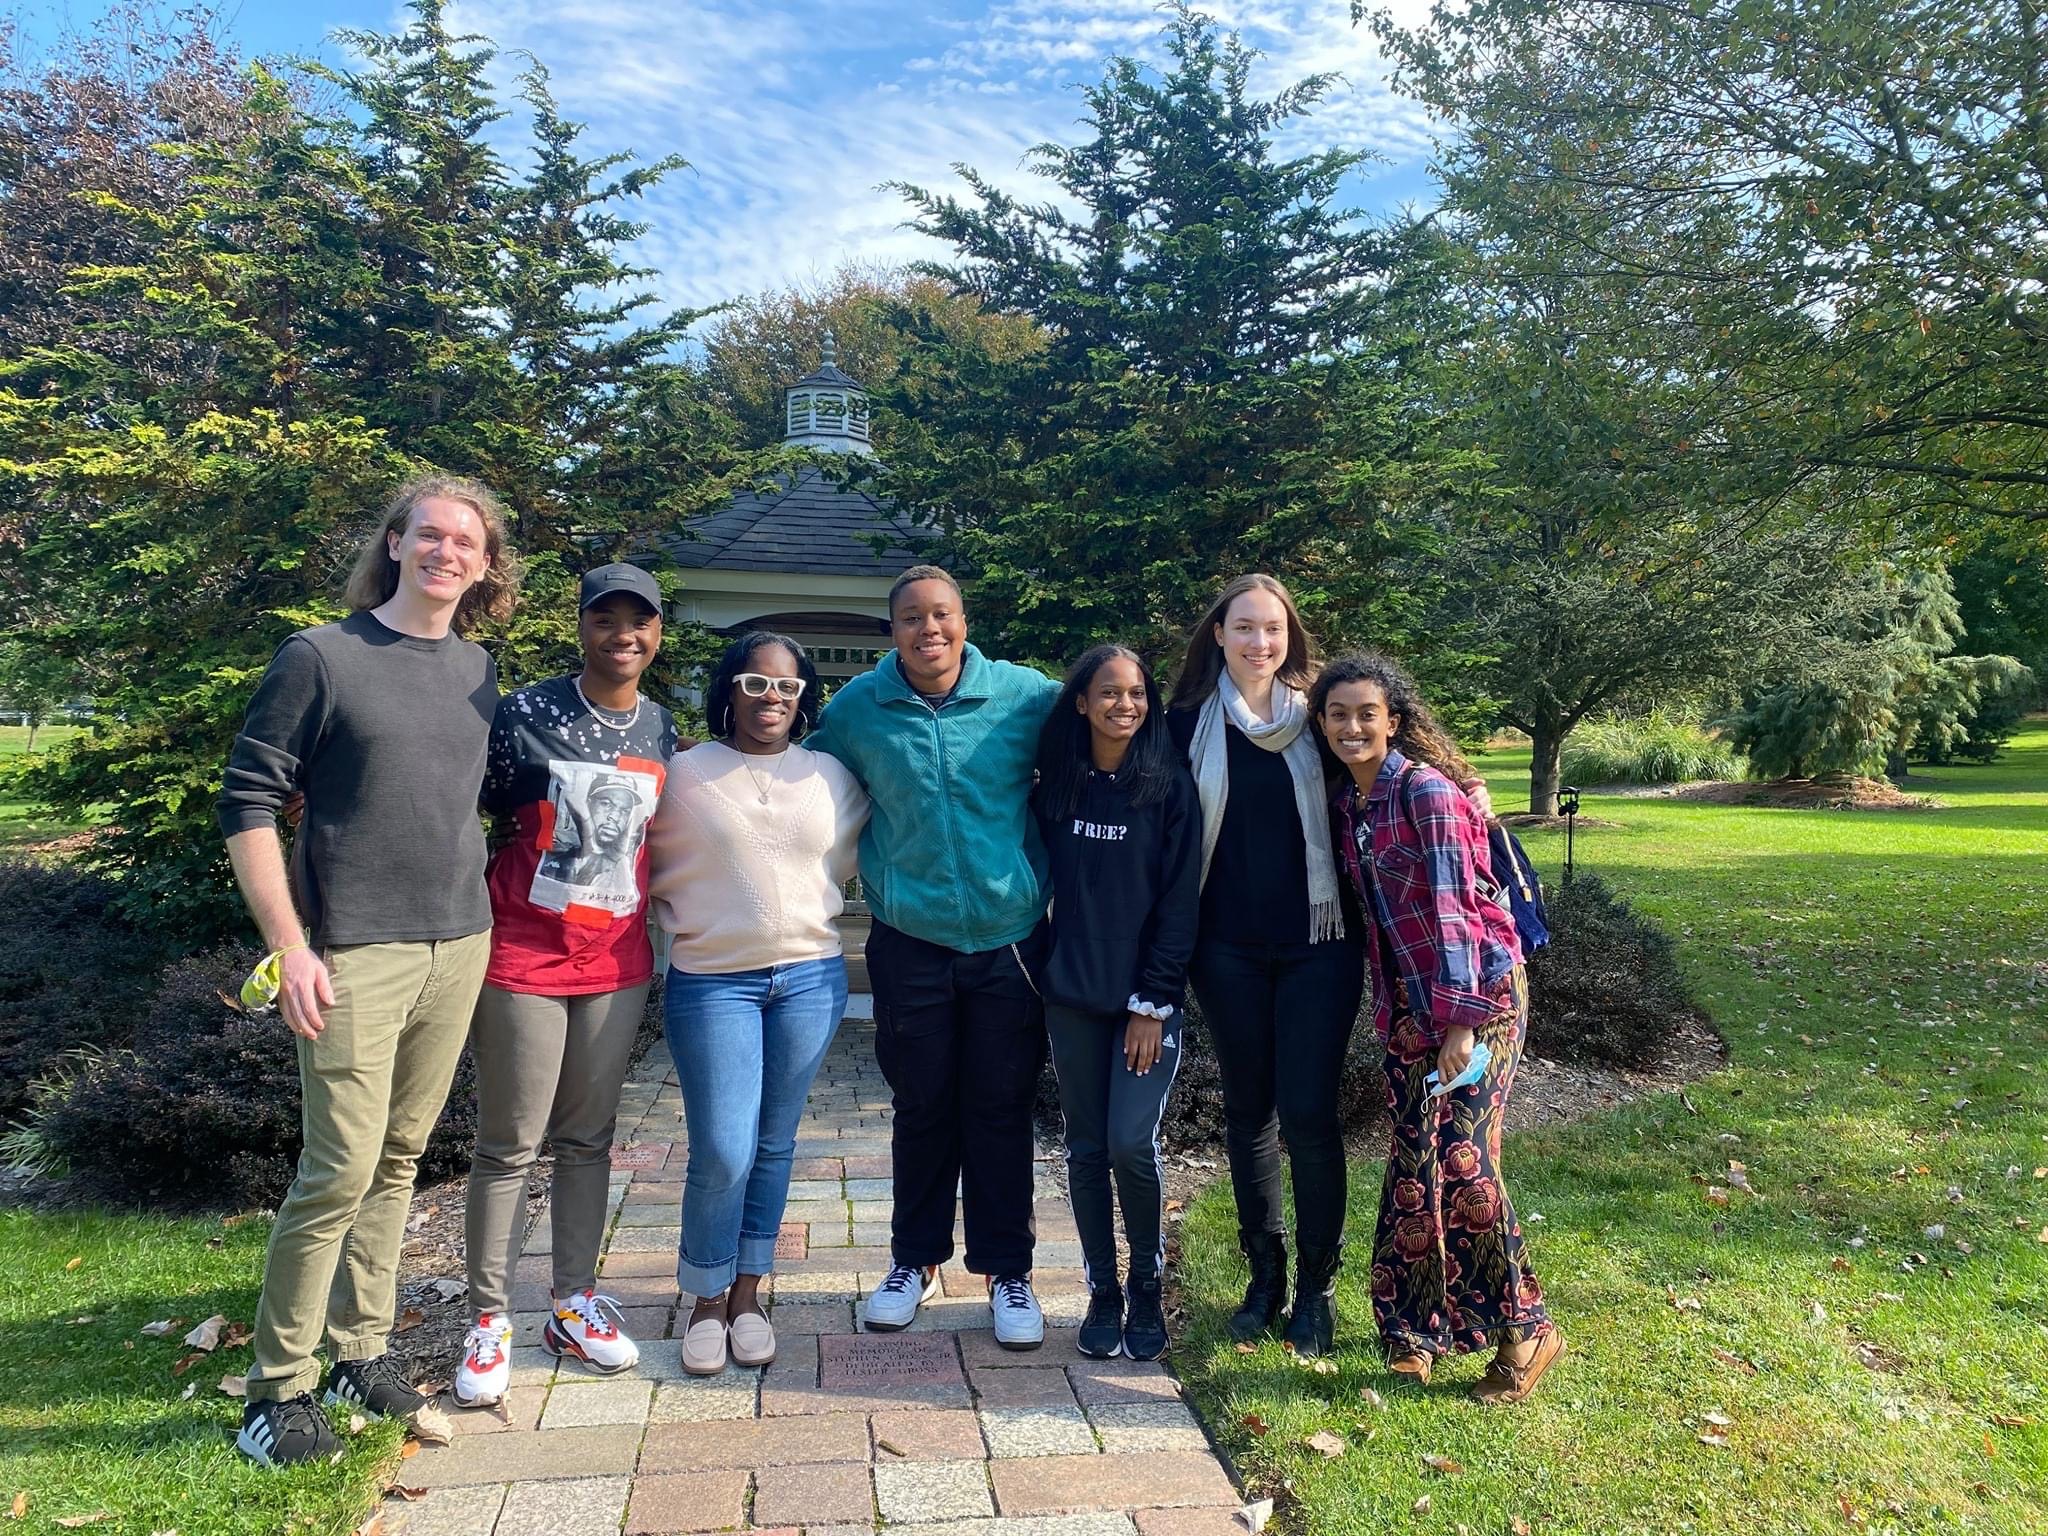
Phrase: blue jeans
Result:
[746,1046]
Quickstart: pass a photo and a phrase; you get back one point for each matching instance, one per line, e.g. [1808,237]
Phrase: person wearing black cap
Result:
[576,767]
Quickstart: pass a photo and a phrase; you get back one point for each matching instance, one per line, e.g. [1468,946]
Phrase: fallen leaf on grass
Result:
[1717,1418]
[1715,1438]
[2041,1173]
[185,1363]
[2012,1420]
[1738,1177]
[159,1330]
[1371,1399]
[1817,1314]
[357,1423]
[432,1425]
[1729,1357]
[1716,1195]
[1252,1424]
[2042,1236]
[1256,1514]
[233,1386]
[1319,1365]
[1683,1303]
[207,1335]
[67,1270]
[236,1335]
[1246,1347]
[1849,1511]
[73,1522]
[1990,1450]
[1518,1527]
[408,1495]
[1421,1506]
[407,1451]
[1327,1444]
[410,1319]
[1840,1265]
[186,1395]
[1444,1466]
[19,1509]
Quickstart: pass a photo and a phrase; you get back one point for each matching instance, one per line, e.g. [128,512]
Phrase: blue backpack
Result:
[1516,887]
[1520,891]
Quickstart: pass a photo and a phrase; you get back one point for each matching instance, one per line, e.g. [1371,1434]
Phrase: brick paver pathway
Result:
[931,1432]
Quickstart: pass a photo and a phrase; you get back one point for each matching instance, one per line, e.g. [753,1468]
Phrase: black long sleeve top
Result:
[1125,896]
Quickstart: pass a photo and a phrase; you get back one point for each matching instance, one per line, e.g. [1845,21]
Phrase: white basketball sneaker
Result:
[486,1370]
[588,1326]
[895,1301]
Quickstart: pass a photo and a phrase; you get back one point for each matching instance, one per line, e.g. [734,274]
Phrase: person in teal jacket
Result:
[943,740]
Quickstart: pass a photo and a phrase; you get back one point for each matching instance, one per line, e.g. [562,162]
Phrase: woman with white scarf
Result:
[1278,972]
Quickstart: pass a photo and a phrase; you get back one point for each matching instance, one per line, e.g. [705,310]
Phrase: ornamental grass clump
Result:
[1656,748]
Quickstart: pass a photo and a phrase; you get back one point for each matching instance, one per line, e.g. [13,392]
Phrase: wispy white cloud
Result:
[793,116]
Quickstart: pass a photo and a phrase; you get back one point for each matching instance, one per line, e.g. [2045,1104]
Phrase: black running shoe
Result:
[1102,1332]
[375,1386]
[287,1432]
[1145,1326]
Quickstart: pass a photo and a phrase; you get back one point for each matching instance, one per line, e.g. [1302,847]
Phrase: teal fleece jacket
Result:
[951,854]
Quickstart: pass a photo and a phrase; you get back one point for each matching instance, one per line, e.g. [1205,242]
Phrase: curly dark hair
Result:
[1419,737]
[718,693]
[1064,741]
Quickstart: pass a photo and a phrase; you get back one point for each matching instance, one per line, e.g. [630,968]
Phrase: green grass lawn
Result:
[1882,981]
[19,826]
[92,1418]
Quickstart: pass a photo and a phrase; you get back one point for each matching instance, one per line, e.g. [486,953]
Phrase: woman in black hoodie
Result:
[1123,832]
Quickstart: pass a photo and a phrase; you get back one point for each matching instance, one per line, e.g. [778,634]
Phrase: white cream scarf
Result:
[1288,734]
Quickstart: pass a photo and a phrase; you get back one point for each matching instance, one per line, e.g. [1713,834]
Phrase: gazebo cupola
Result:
[827,409]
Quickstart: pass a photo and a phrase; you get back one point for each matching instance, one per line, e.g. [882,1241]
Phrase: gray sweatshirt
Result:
[386,734]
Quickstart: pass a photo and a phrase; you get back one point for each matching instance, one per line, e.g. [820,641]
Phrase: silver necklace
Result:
[598,715]
[763,786]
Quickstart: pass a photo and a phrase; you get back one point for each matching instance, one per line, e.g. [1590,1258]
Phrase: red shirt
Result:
[569,887]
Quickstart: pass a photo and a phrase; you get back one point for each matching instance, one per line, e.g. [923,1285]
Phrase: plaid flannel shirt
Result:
[1429,863]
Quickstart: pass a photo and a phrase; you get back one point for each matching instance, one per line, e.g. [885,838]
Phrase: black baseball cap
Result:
[609,579]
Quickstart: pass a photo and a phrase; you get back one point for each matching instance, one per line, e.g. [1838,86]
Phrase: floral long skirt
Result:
[1449,1268]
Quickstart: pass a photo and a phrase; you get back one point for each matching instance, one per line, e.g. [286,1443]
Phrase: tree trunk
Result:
[1546,744]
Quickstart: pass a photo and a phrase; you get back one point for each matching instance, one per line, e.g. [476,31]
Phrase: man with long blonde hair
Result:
[378,934]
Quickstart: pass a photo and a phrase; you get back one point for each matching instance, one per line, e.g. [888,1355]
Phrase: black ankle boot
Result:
[1312,1330]
[1145,1323]
[1265,1297]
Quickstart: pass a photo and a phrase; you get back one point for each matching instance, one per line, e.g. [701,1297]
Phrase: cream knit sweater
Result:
[742,886]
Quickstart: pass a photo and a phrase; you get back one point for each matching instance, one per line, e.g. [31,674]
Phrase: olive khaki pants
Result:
[373,1085]
[553,1067]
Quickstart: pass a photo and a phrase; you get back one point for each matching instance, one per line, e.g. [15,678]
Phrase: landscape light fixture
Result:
[1568,808]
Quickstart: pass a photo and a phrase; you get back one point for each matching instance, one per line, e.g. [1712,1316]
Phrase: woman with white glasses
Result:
[753,843]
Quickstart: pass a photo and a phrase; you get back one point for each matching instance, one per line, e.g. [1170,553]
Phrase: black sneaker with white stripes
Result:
[375,1386]
[287,1432]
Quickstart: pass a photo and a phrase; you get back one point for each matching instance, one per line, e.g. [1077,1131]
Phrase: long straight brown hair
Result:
[496,592]
[1203,663]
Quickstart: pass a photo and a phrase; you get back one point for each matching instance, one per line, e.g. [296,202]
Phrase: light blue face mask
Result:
[1474,1070]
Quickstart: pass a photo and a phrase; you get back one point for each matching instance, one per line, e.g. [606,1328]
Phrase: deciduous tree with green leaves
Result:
[1837,213]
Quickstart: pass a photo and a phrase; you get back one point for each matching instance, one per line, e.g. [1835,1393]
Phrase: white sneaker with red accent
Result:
[485,1374]
[587,1326]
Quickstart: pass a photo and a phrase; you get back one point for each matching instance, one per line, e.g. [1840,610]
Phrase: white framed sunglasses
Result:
[758,685]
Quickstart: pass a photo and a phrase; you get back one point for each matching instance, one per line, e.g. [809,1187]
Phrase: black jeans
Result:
[1112,1117]
[960,1039]
[1280,1017]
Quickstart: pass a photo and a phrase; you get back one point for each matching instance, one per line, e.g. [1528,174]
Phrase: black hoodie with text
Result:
[1126,894]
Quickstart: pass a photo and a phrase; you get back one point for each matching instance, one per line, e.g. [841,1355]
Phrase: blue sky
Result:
[793,115]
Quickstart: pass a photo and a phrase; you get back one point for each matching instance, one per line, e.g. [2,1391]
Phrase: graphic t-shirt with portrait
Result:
[569,887]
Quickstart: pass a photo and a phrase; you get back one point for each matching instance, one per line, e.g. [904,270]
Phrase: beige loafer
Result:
[753,1339]
[704,1347]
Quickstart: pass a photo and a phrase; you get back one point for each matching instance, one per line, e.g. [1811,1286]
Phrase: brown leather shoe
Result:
[1416,1365]
[1504,1383]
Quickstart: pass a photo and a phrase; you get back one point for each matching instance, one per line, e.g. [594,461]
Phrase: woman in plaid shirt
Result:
[1450,1270]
